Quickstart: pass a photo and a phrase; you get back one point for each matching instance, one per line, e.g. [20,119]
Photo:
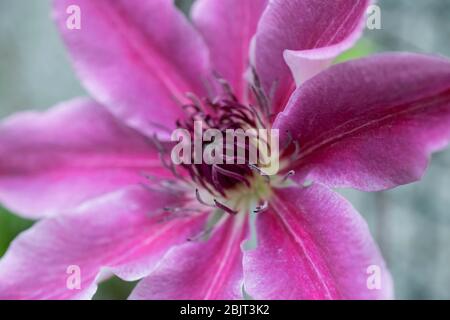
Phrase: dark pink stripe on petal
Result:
[121,233]
[210,269]
[136,57]
[53,161]
[313,245]
[228,26]
[371,124]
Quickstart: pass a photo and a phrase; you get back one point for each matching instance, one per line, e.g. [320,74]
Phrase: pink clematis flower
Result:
[91,169]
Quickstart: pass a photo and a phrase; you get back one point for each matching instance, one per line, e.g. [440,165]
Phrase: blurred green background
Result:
[410,223]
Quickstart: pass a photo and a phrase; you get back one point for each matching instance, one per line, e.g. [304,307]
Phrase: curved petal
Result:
[313,245]
[76,151]
[228,26]
[305,35]
[122,232]
[136,57]
[203,270]
[371,124]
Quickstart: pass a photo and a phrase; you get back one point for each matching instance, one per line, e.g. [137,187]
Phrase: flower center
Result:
[228,156]
[233,155]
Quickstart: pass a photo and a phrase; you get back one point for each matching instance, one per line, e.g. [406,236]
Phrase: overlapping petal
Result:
[306,35]
[138,58]
[55,160]
[122,232]
[313,245]
[228,27]
[371,123]
[210,269]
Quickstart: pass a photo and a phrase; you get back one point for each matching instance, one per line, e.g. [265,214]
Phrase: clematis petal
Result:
[121,232]
[135,57]
[370,124]
[57,159]
[305,35]
[313,245]
[206,270]
[228,27]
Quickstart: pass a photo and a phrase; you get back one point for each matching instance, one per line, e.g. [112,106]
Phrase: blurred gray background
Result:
[410,223]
